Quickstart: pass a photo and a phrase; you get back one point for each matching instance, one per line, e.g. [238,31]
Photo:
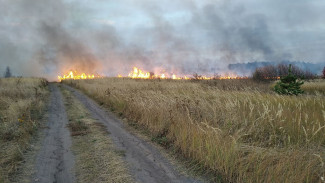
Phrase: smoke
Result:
[43,44]
[66,50]
[45,38]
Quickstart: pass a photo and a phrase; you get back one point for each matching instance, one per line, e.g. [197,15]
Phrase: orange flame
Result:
[137,73]
[74,75]
[163,76]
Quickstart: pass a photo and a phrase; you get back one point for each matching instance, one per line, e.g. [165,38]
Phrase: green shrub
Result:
[289,85]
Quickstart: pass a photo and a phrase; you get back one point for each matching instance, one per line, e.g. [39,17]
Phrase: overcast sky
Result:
[48,37]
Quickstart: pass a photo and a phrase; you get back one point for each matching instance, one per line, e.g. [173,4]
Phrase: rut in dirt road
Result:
[54,161]
[146,163]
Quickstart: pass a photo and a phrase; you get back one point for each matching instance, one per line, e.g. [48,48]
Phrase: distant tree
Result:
[258,75]
[265,73]
[324,73]
[289,85]
[275,72]
[7,73]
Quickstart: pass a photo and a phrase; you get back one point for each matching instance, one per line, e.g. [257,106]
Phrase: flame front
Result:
[74,75]
[137,73]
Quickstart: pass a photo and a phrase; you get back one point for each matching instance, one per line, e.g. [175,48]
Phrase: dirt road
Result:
[146,163]
[54,161]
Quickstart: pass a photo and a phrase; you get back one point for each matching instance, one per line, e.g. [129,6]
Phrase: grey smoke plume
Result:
[46,38]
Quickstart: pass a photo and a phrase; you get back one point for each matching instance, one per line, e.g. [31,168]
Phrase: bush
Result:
[289,85]
[275,72]
[265,73]
[324,73]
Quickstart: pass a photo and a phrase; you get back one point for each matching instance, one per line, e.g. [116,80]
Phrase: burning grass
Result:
[21,105]
[137,73]
[76,76]
[244,133]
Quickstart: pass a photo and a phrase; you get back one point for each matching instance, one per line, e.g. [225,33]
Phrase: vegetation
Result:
[289,85]
[7,73]
[242,134]
[323,73]
[96,159]
[315,87]
[22,101]
[275,72]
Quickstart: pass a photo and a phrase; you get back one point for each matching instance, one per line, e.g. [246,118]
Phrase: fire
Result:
[74,75]
[137,73]
[175,77]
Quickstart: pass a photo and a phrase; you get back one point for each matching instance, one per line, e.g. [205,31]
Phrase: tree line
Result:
[272,72]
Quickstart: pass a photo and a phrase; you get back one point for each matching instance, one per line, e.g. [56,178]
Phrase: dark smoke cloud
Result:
[68,52]
[42,31]
[45,38]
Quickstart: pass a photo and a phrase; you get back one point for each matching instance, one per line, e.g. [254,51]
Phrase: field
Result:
[239,130]
[21,105]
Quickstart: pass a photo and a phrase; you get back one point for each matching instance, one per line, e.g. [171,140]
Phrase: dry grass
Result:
[315,87]
[239,85]
[96,159]
[21,105]
[245,134]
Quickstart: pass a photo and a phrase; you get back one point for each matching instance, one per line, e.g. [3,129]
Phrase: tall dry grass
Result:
[21,103]
[244,135]
[316,86]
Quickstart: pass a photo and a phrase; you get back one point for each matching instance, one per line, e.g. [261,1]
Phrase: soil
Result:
[54,161]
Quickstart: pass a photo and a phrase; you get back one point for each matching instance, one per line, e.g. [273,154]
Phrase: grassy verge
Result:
[244,133]
[96,159]
[22,102]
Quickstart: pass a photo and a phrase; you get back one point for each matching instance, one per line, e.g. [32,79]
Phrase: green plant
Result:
[289,85]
